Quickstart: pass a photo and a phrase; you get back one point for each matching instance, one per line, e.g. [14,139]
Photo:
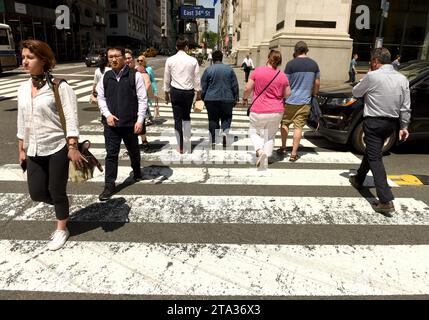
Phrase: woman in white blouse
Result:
[43,150]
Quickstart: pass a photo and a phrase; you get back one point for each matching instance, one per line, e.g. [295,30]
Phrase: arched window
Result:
[88,13]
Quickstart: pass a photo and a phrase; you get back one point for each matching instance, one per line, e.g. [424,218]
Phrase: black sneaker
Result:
[355,183]
[385,208]
[108,192]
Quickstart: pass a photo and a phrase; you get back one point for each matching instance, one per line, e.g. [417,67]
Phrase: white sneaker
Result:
[261,160]
[58,239]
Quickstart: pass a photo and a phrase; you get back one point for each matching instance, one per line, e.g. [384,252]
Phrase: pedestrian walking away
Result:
[304,76]
[247,66]
[352,69]
[271,87]
[220,93]
[122,100]
[181,81]
[43,150]
[210,57]
[397,62]
[387,102]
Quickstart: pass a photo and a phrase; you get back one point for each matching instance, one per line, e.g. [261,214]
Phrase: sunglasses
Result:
[140,60]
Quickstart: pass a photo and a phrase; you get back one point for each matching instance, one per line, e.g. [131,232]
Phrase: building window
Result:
[88,13]
[113,4]
[113,19]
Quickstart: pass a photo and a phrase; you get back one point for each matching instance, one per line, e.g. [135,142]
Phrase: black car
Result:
[92,59]
[342,114]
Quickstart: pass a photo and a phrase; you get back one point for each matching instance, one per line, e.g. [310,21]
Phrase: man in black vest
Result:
[122,100]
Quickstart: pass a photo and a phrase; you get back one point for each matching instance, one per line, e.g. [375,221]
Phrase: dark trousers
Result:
[113,137]
[219,111]
[182,104]
[377,130]
[247,74]
[47,181]
[352,77]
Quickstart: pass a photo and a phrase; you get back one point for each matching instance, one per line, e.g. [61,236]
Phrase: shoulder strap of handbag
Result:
[263,90]
[55,87]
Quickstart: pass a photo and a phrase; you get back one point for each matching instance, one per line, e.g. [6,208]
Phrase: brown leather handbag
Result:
[87,170]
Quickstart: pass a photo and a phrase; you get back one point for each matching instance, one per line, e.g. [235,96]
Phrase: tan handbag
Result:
[198,106]
[93,99]
[87,170]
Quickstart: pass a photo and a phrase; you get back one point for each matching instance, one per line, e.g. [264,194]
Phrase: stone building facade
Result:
[329,28]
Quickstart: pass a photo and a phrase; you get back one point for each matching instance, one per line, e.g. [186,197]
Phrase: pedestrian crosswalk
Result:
[209,224]
[9,88]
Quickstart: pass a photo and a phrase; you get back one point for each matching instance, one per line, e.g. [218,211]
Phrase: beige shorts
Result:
[297,115]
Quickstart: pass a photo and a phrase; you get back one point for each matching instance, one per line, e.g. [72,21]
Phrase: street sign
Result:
[379,42]
[386,10]
[196,12]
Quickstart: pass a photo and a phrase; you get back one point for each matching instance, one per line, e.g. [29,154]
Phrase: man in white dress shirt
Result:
[248,66]
[181,81]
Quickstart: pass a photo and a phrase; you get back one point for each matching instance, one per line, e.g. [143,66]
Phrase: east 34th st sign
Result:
[197,13]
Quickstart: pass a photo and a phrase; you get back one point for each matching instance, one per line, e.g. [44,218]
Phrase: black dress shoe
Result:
[138,177]
[108,192]
[355,183]
[224,141]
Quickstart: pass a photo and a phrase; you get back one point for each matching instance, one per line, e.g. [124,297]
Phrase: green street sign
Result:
[2,9]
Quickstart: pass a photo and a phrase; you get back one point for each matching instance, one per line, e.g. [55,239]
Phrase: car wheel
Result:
[359,144]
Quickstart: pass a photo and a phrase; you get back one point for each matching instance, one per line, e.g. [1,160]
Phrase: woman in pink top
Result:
[267,109]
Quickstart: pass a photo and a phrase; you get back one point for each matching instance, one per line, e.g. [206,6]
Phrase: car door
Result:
[420,109]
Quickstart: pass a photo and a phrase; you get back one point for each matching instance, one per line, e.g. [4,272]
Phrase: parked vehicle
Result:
[151,52]
[92,59]
[8,59]
[342,114]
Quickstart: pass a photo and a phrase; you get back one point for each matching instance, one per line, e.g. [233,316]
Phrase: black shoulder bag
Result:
[248,109]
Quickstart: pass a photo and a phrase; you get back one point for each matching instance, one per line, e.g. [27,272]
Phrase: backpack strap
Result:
[133,80]
[105,81]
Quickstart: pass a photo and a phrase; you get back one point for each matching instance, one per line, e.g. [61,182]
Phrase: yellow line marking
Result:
[406,180]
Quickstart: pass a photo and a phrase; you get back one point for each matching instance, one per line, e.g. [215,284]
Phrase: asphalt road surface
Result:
[209,224]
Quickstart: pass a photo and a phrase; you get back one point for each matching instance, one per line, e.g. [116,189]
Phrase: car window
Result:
[424,85]
[414,70]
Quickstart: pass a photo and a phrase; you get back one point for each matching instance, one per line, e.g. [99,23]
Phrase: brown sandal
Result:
[294,158]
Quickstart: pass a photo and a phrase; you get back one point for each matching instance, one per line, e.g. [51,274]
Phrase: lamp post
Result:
[385,6]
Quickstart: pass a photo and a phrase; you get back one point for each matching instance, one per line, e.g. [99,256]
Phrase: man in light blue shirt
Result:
[387,102]
[304,78]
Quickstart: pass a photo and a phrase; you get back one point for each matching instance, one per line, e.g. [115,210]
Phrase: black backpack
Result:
[313,120]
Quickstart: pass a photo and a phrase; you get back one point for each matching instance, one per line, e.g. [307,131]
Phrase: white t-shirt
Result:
[98,75]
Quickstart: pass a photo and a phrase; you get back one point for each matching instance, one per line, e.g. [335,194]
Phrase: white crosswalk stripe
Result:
[9,88]
[192,191]
[252,270]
